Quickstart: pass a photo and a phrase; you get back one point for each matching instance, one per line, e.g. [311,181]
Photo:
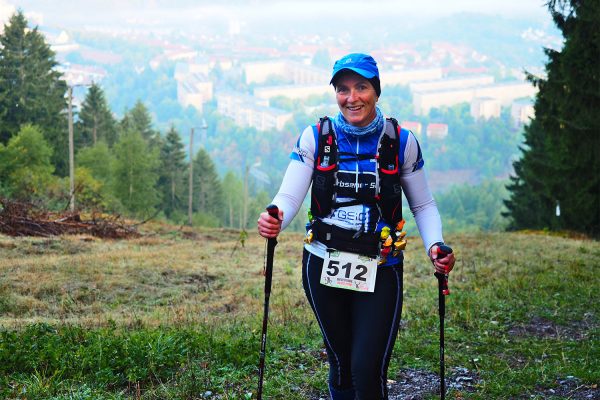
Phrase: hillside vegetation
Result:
[176,314]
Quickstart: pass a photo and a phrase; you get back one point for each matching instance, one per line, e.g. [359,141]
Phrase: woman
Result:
[352,272]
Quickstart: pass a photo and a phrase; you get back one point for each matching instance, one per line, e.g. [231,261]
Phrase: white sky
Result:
[68,12]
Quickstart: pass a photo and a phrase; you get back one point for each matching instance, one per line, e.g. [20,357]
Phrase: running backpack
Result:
[388,194]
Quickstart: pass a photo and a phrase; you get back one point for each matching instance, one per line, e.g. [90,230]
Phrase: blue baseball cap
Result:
[362,64]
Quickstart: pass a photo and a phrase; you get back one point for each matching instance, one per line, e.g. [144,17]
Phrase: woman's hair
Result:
[376,85]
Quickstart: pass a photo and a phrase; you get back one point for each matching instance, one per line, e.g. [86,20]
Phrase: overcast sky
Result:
[71,13]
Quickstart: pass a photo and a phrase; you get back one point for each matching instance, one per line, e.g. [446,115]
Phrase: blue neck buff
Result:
[374,127]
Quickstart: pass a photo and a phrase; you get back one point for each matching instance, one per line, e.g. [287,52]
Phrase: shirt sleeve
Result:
[305,148]
[419,197]
[297,178]
[293,189]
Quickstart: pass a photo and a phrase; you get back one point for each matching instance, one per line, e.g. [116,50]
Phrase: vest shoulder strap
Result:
[389,146]
[327,151]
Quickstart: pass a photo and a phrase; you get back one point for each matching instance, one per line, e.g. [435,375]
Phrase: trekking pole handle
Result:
[443,251]
[273,211]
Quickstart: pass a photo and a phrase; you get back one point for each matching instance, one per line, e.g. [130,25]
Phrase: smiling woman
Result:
[358,163]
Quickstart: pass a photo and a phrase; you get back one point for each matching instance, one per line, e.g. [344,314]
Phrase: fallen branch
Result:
[25,219]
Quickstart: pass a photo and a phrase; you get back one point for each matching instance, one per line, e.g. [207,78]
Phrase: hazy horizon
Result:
[160,14]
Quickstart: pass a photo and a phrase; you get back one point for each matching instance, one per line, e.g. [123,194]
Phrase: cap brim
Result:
[362,72]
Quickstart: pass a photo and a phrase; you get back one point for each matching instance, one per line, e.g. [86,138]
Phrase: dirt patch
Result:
[544,328]
[569,387]
[416,384]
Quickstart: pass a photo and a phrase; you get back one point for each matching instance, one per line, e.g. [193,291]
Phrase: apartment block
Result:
[292,91]
[505,93]
[407,76]
[452,83]
[485,108]
[521,113]
[247,111]
[194,90]
[298,73]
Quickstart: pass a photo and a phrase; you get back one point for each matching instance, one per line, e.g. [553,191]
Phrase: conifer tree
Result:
[138,119]
[96,121]
[31,89]
[561,157]
[172,173]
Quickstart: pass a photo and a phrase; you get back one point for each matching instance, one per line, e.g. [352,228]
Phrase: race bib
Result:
[349,271]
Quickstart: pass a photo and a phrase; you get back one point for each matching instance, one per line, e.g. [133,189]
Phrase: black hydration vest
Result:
[388,193]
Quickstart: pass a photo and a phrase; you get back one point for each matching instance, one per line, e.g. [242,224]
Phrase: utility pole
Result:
[71,154]
[245,208]
[191,171]
[72,148]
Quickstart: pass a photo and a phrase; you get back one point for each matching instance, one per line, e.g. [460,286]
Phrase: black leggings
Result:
[359,329]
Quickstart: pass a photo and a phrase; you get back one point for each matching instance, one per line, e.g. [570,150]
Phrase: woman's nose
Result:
[352,95]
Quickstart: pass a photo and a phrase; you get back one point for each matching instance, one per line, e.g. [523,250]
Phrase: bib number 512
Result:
[349,271]
[334,269]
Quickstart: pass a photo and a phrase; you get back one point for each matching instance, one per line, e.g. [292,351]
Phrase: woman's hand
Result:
[269,227]
[442,265]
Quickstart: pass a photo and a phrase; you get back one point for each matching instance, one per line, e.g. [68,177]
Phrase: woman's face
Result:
[356,98]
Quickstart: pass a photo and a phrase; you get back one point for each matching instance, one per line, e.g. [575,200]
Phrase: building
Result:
[505,93]
[485,108]
[183,69]
[423,102]
[437,131]
[413,126]
[452,83]
[194,90]
[407,76]
[522,112]
[297,73]
[75,74]
[63,43]
[247,111]
[292,91]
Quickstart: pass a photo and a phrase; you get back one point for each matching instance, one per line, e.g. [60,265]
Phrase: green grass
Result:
[174,315]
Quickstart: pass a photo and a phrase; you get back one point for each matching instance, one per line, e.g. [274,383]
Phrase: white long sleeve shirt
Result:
[298,178]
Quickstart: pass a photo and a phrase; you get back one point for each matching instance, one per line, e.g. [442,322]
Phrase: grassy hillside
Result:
[177,314]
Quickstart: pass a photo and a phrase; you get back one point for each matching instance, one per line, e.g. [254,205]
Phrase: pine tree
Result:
[172,173]
[96,121]
[138,119]
[561,157]
[31,90]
